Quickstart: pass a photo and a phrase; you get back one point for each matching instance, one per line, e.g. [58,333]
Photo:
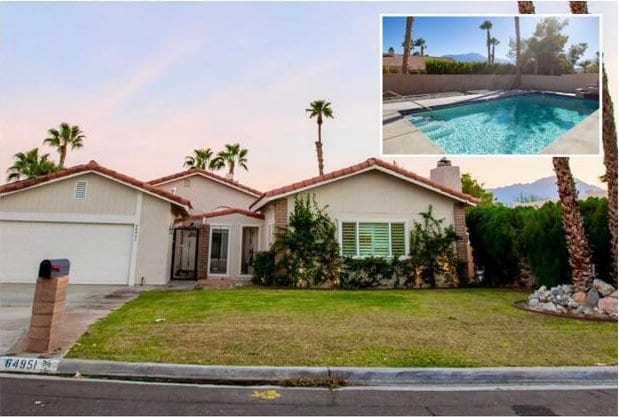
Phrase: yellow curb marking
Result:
[266,395]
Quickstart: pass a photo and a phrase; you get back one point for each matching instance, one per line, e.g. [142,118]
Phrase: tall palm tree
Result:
[201,158]
[526,7]
[494,42]
[232,156]
[408,35]
[320,109]
[609,144]
[30,164]
[421,43]
[487,25]
[64,137]
[518,58]
[579,253]
[579,7]
[573,225]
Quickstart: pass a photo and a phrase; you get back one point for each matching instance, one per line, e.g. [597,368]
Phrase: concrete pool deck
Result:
[400,137]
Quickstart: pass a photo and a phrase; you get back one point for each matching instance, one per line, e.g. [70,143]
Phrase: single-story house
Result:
[113,228]
[198,225]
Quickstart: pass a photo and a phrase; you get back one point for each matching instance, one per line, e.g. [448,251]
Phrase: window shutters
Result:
[397,239]
[349,239]
[373,239]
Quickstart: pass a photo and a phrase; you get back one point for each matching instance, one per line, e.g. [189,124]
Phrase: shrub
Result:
[264,268]
[432,249]
[307,252]
[439,66]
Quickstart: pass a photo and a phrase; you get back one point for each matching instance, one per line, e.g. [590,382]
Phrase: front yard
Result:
[408,328]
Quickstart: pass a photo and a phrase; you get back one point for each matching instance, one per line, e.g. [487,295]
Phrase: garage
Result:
[99,253]
[113,228]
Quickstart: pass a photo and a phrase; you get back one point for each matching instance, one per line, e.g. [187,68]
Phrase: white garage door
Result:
[99,253]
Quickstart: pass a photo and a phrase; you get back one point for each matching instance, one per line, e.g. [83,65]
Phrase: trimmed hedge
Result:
[435,66]
[500,236]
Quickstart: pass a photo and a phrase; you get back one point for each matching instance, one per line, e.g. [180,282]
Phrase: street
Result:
[44,395]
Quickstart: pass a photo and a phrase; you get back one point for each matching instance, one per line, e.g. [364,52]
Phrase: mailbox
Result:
[54,268]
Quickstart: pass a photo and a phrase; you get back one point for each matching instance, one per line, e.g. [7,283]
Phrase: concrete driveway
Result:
[84,305]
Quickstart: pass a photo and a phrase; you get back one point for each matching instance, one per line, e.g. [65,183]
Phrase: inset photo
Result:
[491,85]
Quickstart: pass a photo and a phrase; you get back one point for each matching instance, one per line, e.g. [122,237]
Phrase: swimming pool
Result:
[515,125]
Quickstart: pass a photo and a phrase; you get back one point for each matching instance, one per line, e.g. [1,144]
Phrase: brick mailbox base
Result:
[47,313]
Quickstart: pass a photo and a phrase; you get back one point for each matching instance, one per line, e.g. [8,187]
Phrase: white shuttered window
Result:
[373,239]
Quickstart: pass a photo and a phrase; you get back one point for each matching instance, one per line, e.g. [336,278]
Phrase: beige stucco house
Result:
[113,228]
[197,225]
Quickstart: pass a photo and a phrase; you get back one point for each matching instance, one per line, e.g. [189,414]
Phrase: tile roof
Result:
[371,162]
[94,167]
[208,174]
[224,212]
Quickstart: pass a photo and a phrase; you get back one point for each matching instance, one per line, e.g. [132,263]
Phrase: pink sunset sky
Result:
[149,82]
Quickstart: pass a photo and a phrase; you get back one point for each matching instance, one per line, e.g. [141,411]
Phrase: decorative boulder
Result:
[603,288]
[608,305]
[592,297]
[613,295]
[549,307]
[580,297]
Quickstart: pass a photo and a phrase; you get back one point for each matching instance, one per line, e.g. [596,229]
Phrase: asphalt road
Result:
[34,395]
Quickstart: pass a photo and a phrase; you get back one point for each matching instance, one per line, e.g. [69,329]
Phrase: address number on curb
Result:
[16,364]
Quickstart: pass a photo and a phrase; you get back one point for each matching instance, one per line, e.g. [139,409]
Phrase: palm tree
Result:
[609,144]
[201,158]
[579,254]
[30,164]
[526,7]
[585,63]
[494,42]
[407,46]
[487,25]
[421,43]
[232,156]
[320,109]
[64,137]
[579,7]
[518,59]
[573,225]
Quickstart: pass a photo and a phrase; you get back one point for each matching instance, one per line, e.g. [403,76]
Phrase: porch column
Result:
[204,236]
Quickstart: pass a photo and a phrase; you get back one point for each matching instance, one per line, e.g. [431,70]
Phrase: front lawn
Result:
[407,328]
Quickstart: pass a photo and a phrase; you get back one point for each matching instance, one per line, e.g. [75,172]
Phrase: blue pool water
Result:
[516,125]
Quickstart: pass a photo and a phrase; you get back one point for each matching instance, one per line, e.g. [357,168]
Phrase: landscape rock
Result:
[567,288]
[592,298]
[583,310]
[613,295]
[603,288]
[608,305]
[580,297]
[533,302]
[549,307]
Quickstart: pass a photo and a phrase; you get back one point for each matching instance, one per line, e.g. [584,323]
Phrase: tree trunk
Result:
[579,7]
[518,63]
[407,44]
[526,7]
[63,156]
[609,143]
[573,225]
[488,45]
[319,147]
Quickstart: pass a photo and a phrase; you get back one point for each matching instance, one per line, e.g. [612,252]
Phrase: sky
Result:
[150,82]
[464,35]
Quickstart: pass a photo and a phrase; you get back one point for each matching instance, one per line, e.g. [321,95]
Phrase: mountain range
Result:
[542,189]
[474,57]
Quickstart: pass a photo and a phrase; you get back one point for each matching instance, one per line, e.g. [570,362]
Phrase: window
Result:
[219,250]
[80,190]
[373,239]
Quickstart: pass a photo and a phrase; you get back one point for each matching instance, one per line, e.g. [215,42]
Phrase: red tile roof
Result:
[224,212]
[95,167]
[371,162]
[208,174]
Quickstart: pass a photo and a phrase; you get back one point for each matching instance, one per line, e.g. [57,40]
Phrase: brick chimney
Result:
[446,174]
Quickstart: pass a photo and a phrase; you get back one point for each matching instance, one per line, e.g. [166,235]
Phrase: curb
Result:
[602,375]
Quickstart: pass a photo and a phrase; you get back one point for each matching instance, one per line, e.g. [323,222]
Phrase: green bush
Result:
[307,252]
[264,268]
[500,236]
[439,66]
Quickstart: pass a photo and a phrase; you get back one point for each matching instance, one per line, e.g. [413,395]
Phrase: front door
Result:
[185,253]
[249,246]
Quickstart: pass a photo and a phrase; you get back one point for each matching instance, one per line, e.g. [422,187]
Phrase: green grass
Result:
[414,328]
